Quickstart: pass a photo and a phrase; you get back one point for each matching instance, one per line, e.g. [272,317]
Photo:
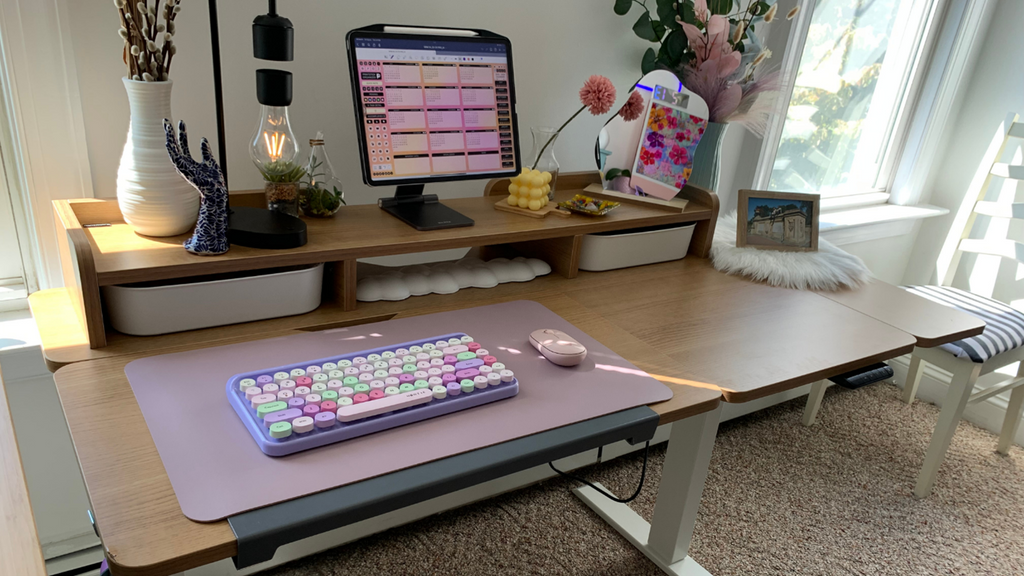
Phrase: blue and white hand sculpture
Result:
[211,233]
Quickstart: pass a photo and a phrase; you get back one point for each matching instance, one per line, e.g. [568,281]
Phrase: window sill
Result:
[18,330]
[873,222]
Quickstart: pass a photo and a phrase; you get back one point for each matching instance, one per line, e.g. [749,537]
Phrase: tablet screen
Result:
[434,108]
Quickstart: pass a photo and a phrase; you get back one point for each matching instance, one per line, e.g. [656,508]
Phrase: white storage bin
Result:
[151,308]
[636,247]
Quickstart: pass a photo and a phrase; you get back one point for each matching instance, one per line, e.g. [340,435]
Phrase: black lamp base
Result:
[262,228]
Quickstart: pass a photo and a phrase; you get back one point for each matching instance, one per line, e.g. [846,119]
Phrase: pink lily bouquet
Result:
[712,46]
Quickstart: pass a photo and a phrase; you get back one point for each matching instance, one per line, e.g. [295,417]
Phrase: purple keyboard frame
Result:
[346,431]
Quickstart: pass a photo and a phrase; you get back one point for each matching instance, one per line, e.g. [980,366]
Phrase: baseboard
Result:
[987,414]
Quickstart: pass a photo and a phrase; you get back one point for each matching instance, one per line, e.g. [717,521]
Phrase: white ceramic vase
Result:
[154,199]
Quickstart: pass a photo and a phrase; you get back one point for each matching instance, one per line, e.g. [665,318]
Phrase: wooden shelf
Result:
[99,249]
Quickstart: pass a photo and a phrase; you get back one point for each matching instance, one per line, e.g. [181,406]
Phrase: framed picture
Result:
[778,220]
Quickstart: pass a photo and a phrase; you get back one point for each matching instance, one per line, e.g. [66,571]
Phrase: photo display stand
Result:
[457,124]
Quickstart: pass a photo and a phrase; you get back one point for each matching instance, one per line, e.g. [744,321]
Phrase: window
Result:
[12,284]
[851,97]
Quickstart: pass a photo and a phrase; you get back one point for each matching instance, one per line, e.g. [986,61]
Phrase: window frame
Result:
[902,119]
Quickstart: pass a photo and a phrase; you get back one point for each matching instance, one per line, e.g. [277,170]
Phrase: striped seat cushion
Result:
[1004,326]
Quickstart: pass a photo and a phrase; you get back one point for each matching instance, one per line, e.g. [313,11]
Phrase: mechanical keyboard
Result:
[300,406]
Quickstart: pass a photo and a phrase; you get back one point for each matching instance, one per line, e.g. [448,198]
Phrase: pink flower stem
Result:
[555,135]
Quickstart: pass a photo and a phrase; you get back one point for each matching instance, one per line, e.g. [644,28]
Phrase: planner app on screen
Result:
[434,108]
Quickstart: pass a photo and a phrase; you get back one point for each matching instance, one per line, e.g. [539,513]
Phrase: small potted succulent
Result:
[282,185]
[321,195]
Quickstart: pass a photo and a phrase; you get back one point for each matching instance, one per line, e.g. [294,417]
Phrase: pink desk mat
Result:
[217,470]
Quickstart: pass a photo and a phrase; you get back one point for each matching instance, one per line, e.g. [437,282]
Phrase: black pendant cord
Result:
[643,475]
[218,90]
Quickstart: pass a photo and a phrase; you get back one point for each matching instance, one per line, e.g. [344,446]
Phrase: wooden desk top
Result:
[360,231]
[702,332]
[19,544]
[930,323]
[751,340]
[140,523]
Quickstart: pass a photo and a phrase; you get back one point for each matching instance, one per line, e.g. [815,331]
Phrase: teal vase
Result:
[707,159]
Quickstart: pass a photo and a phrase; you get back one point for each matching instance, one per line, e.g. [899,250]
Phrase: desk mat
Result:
[217,470]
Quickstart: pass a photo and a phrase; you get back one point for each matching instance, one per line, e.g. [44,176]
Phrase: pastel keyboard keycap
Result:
[302,425]
[281,430]
[265,409]
[328,396]
[261,399]
[469,364]
[282,416]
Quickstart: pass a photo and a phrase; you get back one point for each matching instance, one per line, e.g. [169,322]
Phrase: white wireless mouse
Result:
[558,347]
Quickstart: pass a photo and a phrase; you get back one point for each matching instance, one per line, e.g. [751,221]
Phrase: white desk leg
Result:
[814,401]
[960,387]
[1011,421]
[913,378]
[666,540]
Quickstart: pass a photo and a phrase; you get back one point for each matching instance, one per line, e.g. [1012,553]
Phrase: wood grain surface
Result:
[363,231]
[930,323]
[20,553]
[142,527]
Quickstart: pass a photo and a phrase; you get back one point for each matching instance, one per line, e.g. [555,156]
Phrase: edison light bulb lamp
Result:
[273,147]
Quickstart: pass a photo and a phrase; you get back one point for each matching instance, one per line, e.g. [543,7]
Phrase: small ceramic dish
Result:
[586,205]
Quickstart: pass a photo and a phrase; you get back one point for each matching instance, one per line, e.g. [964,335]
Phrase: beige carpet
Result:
[779,499]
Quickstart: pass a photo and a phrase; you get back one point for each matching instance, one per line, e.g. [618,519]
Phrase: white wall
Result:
[556,45]
[553,55]
[995,88]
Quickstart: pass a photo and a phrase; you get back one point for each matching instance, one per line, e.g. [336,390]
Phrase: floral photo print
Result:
[667,146]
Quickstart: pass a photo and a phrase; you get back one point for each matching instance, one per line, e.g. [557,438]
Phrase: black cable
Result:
[643,475]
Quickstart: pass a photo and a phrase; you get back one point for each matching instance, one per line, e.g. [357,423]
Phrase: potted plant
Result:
[711,45]
[282,185]
[321,196]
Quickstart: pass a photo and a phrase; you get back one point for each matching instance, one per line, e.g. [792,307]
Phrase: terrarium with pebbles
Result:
[153,198]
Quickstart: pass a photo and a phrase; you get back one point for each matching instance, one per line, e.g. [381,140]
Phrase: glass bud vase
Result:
[543,156]
[321,196]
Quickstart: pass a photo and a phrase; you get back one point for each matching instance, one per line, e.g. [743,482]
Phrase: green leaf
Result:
[663,58]
[687,13]
[667,14]
[675,44]
[720,6]
[644,28]
[612,173]
[659,29]
[623,6]
[648,63]
[762,8]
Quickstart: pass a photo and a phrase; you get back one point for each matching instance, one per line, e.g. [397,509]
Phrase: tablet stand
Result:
[422,211]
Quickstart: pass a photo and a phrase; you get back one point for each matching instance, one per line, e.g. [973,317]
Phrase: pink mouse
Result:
[558,347]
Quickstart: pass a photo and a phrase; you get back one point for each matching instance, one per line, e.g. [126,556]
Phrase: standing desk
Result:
[932,325]
[696,329]
[708,335]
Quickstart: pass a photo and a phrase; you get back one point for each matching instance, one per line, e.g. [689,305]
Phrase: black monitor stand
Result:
[422,211]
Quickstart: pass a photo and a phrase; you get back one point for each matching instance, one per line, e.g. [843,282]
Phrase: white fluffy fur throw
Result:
[827,269]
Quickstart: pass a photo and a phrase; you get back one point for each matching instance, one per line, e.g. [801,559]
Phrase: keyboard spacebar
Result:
[383,405]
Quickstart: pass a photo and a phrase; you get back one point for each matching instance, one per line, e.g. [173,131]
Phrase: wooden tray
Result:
[551,208]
